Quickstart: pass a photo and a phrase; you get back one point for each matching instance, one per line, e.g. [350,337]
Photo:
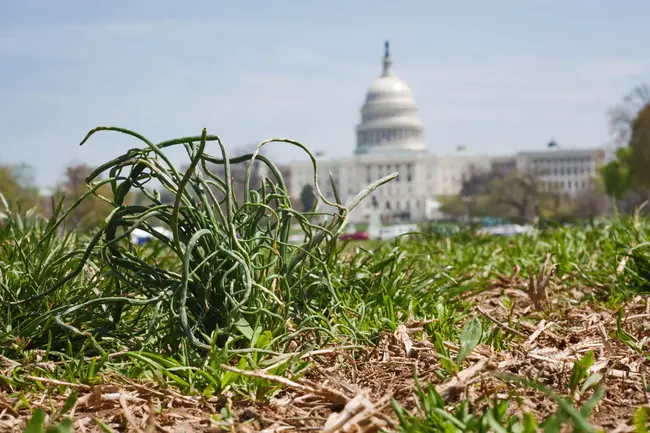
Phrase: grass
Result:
[228,324]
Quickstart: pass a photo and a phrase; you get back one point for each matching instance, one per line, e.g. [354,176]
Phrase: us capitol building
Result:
[390,138]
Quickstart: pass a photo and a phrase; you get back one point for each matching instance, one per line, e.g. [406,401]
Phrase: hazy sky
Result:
[496,76]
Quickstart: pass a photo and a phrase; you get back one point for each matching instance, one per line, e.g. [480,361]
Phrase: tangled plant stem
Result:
[235,274]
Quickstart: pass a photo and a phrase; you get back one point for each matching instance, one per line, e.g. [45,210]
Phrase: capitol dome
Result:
[390,120]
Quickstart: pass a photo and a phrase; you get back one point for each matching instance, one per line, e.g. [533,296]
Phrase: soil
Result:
[347,390]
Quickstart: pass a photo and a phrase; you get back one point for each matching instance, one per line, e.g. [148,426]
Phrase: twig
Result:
[501,325]
[357,410]
[603,335]
[10,362]
[541,327]
[416,325]
[619,374]
[128,414]
[332,394]
[403,336]
[625,320]
[448,388]
[150,425]
[57,382]
[328,351]
[550,334]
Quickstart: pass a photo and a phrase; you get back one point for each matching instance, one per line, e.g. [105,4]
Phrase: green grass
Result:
[230,289]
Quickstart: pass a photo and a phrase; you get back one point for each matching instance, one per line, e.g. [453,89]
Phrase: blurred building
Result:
[565,170]
[390,138]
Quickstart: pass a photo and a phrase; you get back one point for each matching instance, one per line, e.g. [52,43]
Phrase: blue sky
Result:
[495,76]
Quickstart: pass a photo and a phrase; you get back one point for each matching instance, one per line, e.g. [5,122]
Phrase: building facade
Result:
[568,171]
[390,138]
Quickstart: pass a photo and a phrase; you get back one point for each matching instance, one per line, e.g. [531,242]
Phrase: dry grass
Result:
[351,390]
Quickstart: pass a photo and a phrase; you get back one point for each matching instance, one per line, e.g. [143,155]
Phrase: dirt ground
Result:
[345,393]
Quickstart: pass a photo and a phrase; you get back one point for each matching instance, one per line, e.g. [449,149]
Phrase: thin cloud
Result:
[249,81]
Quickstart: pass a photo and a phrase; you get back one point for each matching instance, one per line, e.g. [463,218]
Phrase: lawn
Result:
[229,327]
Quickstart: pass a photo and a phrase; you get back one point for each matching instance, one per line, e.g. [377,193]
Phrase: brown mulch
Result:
[352,392]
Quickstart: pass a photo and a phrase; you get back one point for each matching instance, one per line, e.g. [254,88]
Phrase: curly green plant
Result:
[233,272]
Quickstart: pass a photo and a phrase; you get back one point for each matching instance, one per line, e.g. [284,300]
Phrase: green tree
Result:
[630,127]
[616,175]
[640,148]
[17,186]
[452,205]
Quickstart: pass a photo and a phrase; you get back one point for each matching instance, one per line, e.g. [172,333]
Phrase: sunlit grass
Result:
[229,288]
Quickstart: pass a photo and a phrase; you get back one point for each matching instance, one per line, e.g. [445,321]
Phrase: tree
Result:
[623,115]
[503,194]
[238,172]
[453,206]
[591,203]
[640,148]
[518,196]
[90,211]
[630,127]
[308,197]
[475,194]
[615,175]
[17,186]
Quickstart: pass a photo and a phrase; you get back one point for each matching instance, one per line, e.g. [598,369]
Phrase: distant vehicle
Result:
[445,229]
[356,236]
[389,232]
[141,237]
[507,230]
[297,238]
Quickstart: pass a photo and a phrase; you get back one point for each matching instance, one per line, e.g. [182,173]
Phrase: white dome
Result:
[390,120]
[390,86]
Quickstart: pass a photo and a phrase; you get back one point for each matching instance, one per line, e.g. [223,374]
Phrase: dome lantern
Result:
[387,62]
